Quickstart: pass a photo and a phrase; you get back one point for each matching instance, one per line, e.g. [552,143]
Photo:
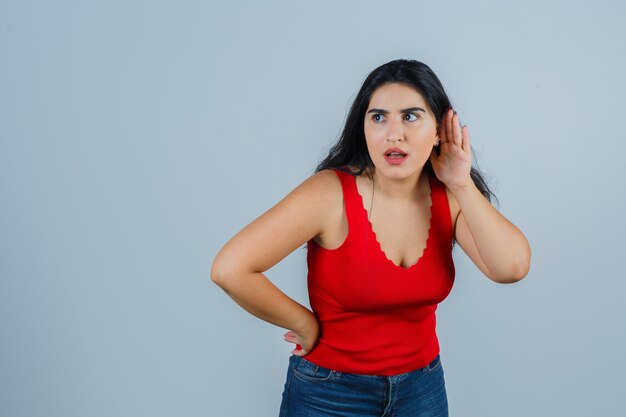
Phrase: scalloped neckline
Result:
[430,224]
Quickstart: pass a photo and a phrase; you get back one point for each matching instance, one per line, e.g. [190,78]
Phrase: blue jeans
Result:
[314,391]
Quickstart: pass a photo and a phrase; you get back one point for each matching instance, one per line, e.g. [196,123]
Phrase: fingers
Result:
[458,133]
[455,129]
[291,337]
[445,134]
[466,140]
[298,351]
[451,132]
[304,343]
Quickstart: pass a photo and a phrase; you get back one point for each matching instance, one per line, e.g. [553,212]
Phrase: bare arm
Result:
[497,246]
[238,267]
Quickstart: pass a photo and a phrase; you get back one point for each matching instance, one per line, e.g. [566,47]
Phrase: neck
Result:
[397,189]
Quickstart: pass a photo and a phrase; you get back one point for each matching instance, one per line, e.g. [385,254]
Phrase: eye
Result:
[378,117]
[411,117]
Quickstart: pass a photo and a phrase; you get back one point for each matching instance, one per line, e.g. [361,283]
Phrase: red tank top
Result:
[378,318]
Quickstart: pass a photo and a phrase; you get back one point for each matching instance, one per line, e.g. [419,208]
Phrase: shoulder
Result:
[304,213]
[322,192]
[326,187]
[322,185]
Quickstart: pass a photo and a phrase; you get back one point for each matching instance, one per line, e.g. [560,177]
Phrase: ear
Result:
[440,130]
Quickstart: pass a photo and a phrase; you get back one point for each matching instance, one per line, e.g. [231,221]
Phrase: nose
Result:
[394,130]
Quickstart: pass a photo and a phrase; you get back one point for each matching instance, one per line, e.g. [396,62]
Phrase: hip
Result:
[312,390]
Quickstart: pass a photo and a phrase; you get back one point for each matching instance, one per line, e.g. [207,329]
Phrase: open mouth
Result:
[395,155]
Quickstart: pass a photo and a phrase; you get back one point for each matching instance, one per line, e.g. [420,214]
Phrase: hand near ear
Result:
[454,162]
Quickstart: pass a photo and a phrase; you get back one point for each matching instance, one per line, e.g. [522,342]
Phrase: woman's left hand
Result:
[454,162]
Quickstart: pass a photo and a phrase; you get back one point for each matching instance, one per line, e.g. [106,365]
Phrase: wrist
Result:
[462,188]
[307,323]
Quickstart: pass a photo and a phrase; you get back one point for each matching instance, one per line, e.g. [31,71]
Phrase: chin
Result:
[399,171]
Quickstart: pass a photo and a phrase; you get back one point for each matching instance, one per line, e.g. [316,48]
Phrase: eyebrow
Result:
[410,109]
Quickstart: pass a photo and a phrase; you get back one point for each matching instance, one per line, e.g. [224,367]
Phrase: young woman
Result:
[380,217]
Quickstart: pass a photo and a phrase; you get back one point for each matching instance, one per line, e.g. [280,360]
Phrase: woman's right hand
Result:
[305,339]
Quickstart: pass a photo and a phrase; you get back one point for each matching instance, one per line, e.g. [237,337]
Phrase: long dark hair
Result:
[351,149]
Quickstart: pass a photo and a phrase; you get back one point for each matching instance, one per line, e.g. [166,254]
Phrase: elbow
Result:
[515,272]
[519,271]
[227,272]
[217,275]
[220,272]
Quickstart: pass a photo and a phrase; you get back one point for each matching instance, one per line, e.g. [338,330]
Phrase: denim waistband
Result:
[297,360]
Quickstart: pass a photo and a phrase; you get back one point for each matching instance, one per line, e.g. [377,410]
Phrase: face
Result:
[400,130]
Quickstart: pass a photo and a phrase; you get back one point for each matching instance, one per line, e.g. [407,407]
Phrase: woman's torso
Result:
[392,224]
[377,307]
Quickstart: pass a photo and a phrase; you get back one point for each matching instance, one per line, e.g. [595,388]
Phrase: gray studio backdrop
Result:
[137,137]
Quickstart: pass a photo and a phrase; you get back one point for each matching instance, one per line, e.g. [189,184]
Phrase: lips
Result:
[395,156]
[395,152]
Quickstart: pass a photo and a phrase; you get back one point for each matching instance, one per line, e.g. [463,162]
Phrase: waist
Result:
[371,345]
